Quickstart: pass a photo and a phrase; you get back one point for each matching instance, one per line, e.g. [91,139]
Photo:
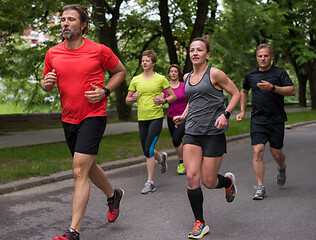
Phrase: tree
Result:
[175,31]
[107,34]
[299,43]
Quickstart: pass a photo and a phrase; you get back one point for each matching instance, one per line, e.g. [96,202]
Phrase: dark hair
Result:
[83,14]
[180,73]
[151,54]
[205,40]
[264,45]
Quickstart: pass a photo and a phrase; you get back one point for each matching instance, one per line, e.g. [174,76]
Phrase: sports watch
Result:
[227,114]
[106,91]
[273,88]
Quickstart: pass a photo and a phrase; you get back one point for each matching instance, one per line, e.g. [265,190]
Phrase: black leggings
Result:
[176,133]
[149,132]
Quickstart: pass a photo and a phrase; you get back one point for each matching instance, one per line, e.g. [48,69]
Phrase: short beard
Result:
[71,35]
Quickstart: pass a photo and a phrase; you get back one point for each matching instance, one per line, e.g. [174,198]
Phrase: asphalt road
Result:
[287,213]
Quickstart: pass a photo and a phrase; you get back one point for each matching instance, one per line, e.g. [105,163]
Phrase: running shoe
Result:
[163,162]
[260,193]
[149,188]
[71,234]
[199,230]
[114,205]
[181,169]
[281,177]
[231,192]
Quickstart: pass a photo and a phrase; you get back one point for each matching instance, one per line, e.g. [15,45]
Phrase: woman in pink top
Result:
[175,109]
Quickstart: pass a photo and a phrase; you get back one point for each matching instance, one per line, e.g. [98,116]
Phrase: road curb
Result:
[65,175]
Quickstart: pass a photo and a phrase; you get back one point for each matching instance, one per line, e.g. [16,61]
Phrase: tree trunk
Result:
[167,32]
[312,83]
[198,28]
[107,35]
[302,80]
[302,90]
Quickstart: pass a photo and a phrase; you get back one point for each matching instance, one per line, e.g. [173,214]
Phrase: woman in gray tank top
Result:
[206,121]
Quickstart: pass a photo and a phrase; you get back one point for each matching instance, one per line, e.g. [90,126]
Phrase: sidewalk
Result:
[29,138]
[36,137]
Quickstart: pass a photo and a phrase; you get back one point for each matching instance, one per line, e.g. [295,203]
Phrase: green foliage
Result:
[289,26]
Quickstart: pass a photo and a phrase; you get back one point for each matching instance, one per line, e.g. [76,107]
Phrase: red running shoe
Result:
[71,234]
[114,205]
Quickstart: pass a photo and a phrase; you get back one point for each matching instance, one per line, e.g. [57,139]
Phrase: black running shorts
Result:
[85,136]
[263,133]
[212,145]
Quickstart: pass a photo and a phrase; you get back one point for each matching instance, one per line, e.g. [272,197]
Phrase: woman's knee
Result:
[193,178]
[209,182]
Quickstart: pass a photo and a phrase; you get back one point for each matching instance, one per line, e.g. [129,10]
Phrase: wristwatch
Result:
[106,91]
[227,114]
[166,101]
[273,88]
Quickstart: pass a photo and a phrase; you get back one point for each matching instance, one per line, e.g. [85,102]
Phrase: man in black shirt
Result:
[269,84]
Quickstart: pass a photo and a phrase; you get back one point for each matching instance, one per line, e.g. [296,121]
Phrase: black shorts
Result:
[85,136]
[212,145]
[272,133]
[176,133]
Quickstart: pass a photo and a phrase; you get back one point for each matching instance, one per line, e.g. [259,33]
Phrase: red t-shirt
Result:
[76,70]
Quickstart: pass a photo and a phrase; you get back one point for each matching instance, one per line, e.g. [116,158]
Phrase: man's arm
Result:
[243,103]
[119,74]
[282,90]
[48,81]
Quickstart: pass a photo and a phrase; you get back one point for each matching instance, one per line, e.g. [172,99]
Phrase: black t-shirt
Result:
[267,106]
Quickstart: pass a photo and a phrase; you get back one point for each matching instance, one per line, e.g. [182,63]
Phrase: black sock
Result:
[223,181]
[196,201]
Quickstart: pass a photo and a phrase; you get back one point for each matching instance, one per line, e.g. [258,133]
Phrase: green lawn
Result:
[10,108]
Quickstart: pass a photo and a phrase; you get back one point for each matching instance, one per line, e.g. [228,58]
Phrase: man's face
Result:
[70,24]
[264,59]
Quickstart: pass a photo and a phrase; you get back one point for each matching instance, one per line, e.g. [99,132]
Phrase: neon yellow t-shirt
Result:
[147,89]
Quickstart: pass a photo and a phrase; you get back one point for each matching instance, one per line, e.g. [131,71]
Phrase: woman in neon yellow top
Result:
[146,89]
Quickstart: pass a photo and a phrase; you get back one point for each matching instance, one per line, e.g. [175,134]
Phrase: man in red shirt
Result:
[78,65]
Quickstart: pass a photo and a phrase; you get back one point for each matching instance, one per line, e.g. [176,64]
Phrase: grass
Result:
[42,160]
[11,108]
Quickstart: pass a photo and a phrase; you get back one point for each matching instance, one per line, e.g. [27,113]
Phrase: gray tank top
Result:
[206,104]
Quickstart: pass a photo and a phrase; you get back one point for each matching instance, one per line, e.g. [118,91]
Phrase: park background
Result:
[30,28]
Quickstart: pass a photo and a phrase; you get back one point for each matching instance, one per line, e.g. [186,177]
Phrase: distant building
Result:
[35,37]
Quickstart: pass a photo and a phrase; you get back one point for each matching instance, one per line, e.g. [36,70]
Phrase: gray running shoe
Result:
[163,162]
[149,188]
[281,177]
[260,193]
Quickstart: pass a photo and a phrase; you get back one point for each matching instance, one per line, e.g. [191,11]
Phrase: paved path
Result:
[287,213]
